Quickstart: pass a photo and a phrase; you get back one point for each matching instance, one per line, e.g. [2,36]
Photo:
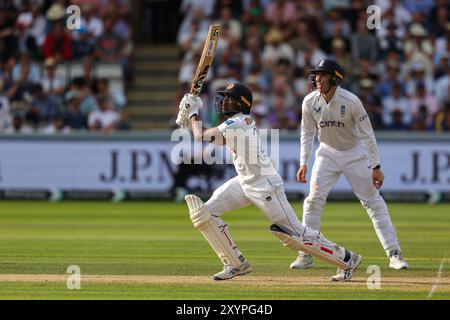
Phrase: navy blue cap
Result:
[239,90]
[329,66]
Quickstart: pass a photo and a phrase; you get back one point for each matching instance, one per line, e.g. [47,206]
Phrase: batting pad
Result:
[317,250]
[213,231]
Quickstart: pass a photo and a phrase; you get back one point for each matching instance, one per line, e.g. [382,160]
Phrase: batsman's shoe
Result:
[396,260]
[303,261]
[230,272]
[346,275]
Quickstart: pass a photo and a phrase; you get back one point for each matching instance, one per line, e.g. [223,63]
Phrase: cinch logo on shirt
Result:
[323,124]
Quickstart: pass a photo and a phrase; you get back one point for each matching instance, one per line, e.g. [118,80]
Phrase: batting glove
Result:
[191,104]
[182,120]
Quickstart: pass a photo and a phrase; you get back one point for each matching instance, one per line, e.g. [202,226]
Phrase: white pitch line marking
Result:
[436,283]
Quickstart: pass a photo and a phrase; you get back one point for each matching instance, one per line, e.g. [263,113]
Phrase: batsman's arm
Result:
[212,135]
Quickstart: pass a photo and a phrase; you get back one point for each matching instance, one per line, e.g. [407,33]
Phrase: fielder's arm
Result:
[212,135]
[308,132]
[362,122]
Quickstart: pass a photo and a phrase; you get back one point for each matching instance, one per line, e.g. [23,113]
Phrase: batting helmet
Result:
[331,67]
[241,92]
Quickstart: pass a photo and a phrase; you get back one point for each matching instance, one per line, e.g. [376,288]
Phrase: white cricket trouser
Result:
[328,167]
[266,193]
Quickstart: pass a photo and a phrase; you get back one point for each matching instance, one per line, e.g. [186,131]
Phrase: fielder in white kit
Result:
[257,182]
[342,123]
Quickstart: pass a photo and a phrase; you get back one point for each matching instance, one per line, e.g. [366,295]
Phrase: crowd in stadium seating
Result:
[400,71]
[54,79]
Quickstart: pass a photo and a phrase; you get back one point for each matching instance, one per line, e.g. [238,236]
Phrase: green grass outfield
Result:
[151,251]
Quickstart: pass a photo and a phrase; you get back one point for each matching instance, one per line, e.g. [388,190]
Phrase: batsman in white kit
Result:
[348,147]
[257,182]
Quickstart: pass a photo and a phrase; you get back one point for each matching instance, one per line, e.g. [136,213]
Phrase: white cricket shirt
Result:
[342,124]
[244,143]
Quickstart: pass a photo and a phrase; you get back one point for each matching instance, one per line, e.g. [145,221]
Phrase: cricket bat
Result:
[206,59]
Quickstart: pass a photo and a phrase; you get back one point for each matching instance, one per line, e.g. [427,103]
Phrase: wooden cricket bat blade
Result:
[206,59]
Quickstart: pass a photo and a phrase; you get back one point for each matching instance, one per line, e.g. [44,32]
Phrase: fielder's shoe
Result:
[303,261]
[230,272]
[396,260]
[346,275]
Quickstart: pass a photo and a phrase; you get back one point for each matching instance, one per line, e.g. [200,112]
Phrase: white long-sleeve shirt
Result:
[249,157]
[342,124]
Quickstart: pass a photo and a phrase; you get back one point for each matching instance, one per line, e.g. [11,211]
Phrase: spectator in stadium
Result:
[443,86]
[364,70]
[90,21]
[440,68]
[57,126]
[280,13]
[418,47]
[122,7]
[416,76]
[58,43]
[50,82]
[364,44]
[38,24]
[195,28]
[8,42]
[281,116]
[396,101]
[89,77]
[111,48]
[311,56]
[115,96]
[88,102]
[391,41]
[423,6]
[254,16]
[18,126]
[44,107]
[301,84]
[276,48]
[236,6]
[340,54]
[389,79]
[301,35]
[442,119]
[397,122]
[25,40]
[5,115]
[104,119]
[396,9]
[423,99]
[234,26]
[192,40]
[189,8]
[84,44]
[56,12]
[73,117]
[335,26]
[6,75]
[251,55]
[282,87]
[24,75]
[27,68]
[439,17]
[422,120]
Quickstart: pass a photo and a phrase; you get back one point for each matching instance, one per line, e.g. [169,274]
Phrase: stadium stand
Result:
[269,44]
[273,44]
[52,74]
